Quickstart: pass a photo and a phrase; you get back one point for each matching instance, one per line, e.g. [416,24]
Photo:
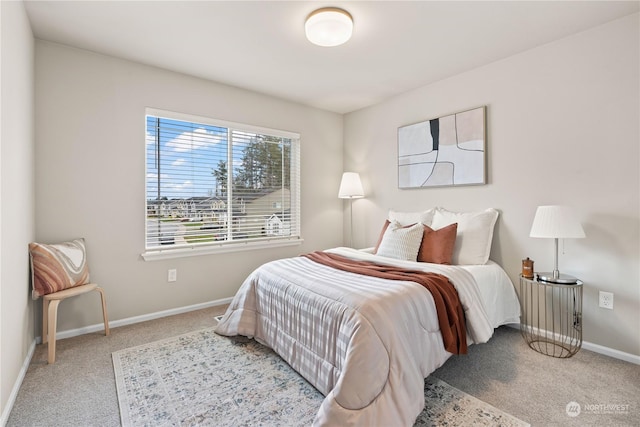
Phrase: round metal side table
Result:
[551,316]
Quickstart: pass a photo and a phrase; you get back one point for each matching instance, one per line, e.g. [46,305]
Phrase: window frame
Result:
[225,246]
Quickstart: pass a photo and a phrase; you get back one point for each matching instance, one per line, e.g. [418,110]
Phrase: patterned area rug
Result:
[203,379]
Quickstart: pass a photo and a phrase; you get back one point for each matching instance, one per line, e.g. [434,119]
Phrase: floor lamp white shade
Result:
[556,222]
[350,188]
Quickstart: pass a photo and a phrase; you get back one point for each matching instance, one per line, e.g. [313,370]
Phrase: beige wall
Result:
[563,128]
[90,163]
[16,194]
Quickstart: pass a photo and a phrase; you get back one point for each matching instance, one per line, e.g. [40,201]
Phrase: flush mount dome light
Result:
[329,26]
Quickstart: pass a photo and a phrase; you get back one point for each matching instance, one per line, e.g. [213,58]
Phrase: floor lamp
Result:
[350,188]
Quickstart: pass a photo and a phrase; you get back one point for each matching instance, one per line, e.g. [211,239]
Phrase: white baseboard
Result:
[137,319]
[596,348]
[611,352]
[16,386]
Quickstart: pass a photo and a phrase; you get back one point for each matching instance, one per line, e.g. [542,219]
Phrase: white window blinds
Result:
[213,183]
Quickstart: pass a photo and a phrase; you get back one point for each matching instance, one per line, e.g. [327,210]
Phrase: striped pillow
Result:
[401,242]
[57,267]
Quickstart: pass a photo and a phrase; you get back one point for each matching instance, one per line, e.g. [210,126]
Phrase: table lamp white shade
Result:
[350,186]
[556,222]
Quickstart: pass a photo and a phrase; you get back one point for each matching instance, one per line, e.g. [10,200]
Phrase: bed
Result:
[366,343]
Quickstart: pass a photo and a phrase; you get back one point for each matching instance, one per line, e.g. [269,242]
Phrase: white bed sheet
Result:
[496,289]
[498,293]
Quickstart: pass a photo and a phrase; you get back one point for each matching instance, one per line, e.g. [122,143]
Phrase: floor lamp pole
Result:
[350,188]
[351,223]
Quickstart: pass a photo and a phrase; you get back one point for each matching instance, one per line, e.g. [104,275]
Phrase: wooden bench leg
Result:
[45,317]
[51,332]
[104,310]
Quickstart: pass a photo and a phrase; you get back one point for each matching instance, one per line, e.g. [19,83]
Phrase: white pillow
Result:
[401,243]
[408,218]
[474,236]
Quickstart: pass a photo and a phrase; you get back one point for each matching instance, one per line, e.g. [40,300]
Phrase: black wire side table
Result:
[551,316]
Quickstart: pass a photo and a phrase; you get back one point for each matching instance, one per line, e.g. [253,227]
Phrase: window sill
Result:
[216,249]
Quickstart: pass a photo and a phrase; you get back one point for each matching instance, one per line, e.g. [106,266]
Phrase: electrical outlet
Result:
[606,300]
[172,275]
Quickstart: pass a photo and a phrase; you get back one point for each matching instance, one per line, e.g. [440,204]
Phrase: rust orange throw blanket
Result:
[448,306]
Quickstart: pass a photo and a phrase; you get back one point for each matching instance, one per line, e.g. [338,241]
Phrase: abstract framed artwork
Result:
[445,151]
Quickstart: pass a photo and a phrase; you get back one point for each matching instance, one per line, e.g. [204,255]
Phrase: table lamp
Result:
[556,222]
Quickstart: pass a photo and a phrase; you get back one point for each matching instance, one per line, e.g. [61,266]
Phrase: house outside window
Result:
[215,186]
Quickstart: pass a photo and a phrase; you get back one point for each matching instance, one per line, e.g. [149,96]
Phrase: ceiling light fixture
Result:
[328,26]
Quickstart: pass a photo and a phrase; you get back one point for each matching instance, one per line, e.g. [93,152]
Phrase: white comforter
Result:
[366,343]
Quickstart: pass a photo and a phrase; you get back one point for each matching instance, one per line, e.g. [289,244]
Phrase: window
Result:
[213,185]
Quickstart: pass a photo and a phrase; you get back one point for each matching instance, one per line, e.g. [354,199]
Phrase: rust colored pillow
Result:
[58,267]
[437,245]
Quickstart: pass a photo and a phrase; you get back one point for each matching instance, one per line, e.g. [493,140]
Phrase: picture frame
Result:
[444,151]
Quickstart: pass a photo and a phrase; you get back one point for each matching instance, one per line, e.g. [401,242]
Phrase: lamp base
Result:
[563,279]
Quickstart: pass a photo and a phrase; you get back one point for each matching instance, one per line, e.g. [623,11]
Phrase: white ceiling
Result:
[396,45]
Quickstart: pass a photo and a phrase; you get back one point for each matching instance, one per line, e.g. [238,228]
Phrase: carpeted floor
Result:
[79,389]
